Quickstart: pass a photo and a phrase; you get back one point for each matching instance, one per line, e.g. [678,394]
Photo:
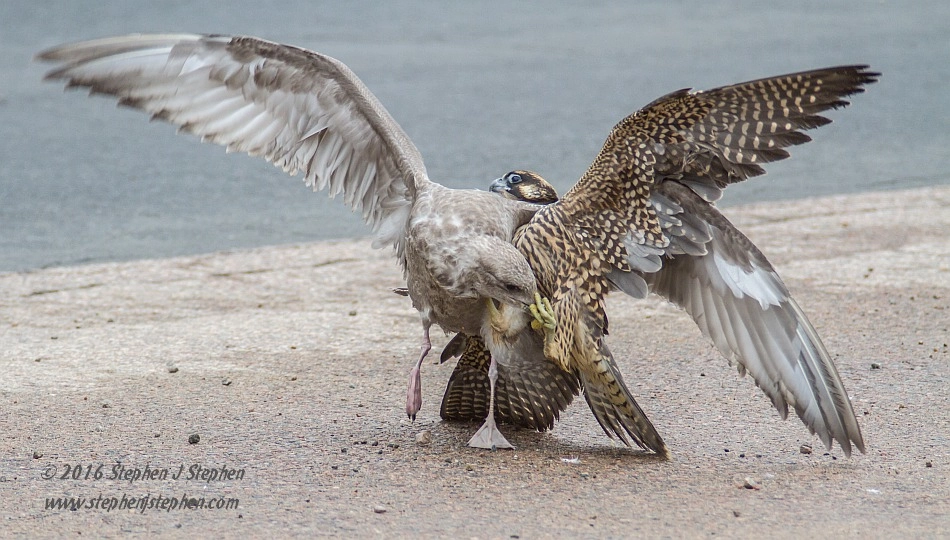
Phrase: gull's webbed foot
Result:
[488,436]
[414,393]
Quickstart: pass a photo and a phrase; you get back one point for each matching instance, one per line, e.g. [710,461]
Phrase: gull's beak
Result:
[518,302]
[510,301]
[498,186]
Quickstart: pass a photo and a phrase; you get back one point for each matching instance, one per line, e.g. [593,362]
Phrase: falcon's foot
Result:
[546,321]
[488,436]
[543,314]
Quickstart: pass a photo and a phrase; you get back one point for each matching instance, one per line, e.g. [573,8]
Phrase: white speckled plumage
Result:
[306,112]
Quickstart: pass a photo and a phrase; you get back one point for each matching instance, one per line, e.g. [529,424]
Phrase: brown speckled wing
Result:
[609,229]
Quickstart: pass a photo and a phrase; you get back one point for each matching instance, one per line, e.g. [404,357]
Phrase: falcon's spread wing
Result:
[300,110]
[644,199]
[531,392]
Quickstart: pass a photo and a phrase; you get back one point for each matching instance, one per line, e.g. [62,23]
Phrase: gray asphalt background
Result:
[292,364]
[481,87]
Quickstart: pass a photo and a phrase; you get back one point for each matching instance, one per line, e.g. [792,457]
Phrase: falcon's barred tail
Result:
[614,406]
[467,392]
[530,396]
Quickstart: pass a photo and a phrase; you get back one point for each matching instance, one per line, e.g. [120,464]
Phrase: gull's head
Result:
[504,276]
[508,286]
[524,186]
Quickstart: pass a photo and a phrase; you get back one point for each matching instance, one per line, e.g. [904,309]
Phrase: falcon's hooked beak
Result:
[500,185]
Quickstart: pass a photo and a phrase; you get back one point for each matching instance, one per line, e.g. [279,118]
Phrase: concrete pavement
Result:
[290,365]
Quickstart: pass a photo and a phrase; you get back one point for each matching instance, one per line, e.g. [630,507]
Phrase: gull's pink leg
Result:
[414,394]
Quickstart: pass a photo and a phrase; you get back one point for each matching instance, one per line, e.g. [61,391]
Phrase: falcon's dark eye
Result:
[514,178]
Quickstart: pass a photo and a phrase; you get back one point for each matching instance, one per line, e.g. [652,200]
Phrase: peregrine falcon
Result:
[641,219]
[528,280]
[748,335]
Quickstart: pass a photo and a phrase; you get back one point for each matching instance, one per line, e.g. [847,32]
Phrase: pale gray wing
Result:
[300,110]
[738,300]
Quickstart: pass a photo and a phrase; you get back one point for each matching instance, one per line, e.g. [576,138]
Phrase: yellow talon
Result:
[543,313]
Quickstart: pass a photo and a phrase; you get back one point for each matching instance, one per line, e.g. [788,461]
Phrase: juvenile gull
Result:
[306,112]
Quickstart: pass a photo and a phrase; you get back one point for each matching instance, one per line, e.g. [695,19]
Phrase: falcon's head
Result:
[524,186]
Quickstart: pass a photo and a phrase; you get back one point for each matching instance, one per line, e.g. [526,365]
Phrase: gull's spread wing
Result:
[300,110]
